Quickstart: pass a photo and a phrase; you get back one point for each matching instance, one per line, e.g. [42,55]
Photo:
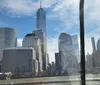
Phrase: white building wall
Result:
[42,37]
[35,65]
[34,41]
[75,44]
[16,60]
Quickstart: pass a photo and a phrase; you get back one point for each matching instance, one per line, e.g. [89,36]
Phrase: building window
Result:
[17,70]
[23,69]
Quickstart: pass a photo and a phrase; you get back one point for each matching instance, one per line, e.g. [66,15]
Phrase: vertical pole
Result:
[83,82]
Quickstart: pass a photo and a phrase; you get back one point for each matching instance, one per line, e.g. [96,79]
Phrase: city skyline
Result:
[55,39]
[24,18]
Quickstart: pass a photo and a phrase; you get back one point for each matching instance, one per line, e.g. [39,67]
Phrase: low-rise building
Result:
[19,60]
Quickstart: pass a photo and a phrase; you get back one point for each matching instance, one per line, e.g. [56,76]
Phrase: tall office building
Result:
[76,46]
[93,44]
[96,58]
[41,36]
[41,19]
[41,24]
[47,59]
[98,44]
[53,69]
[68,58]
[58,62]
[31,40]
[7,39]
[89,63]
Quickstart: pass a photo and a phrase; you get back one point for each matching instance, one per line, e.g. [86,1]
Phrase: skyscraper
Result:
[31,40]
[7,39]
[58,62]
[93,44]
[41,19]
[41,25]
[47,59]
[41,36]
[96,58]
[75,46]
[68,58]
[98,44]
[89,63]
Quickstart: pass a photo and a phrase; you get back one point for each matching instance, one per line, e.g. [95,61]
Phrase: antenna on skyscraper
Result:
[40,4]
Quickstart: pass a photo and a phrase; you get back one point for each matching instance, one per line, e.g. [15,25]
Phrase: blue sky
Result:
[62,16]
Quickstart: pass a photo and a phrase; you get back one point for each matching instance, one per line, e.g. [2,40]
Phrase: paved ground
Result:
[62,80]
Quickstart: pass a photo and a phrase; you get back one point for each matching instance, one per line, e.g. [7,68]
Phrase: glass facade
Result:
[41,20]
[7,39]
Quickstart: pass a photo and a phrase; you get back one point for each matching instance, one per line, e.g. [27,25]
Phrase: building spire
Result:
[40,4]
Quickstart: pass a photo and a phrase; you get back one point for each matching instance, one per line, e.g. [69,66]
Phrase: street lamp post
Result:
[81,11]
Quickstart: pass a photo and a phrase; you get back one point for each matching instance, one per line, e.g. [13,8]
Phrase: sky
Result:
[61,16]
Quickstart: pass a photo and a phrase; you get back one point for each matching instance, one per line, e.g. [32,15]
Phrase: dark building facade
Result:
[98,44]
[93,44]
[58,62]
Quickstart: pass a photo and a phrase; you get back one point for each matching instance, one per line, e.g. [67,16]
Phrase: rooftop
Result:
[20,48]
[30,34]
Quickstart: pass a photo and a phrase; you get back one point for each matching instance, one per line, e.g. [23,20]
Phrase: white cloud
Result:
[66,4]
[52,45]
[23,7]
[92,10]
[19,42]
[68,13]
[65,10]
[69,9]
[48,3]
